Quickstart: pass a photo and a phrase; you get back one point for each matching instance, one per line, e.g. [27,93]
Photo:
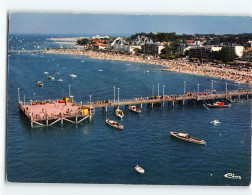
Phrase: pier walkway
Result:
[43,112]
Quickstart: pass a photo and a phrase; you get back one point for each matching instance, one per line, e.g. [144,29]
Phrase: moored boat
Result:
[114,124]
[60,80]
[215,122]
[40,83]
[186,137]
[72,75]
[50,77]
[218,105]
[119,113]
[139,169]
[134,109]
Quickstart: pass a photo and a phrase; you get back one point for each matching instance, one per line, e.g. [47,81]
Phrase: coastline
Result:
[180,66]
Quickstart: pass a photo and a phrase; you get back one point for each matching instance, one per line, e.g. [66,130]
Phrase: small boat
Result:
[219,105]
[215,122]
[139,169]
[100,70]
[46,72]
[186,137]
[40,83]
[51,77]
[134,109]
[63,68]
[114,124]
[232,176]
[56,73]
[119,113]
[73,75]
[60,80]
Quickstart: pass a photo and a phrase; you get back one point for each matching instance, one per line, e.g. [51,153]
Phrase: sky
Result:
[116,24]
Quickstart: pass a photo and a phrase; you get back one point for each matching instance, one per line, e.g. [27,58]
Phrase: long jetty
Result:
[43,112]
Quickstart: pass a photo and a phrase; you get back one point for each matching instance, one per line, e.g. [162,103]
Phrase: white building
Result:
[238,50]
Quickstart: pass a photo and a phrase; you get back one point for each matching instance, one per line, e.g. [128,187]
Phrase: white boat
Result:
[100,70]
[134,109]
[186,137]
[51,77]
[56,73]
[119,113]
[46,72]
[139,169]
[215,122]
[40,83]
[232,176]
[114,124]
[60,80]
[73,75]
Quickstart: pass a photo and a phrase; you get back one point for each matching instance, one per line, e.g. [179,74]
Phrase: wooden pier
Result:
[43,112]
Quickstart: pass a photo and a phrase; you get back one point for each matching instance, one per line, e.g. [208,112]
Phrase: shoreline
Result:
[179,66]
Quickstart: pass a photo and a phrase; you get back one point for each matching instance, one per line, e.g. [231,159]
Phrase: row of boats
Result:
[40,83]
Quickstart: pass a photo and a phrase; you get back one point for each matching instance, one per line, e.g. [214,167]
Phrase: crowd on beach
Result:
[183,66]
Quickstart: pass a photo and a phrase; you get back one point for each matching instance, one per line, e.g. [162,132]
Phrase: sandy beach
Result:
[182,66]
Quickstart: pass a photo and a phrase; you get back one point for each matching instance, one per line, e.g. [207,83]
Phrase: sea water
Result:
[93,152]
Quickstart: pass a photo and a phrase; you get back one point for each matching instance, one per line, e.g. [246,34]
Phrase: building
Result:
[99,46]
[202,52]
[190,42]
[247,55]
[152,48]
[238,50]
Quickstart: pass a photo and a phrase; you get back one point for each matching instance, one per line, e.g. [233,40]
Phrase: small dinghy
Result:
[60,80]
[139,169]
[46,72]
[119,113]
[51,77]
[232,176]
[40,83]
[186,137]
[215,122]
[134,109]
[100,70]
[73,75]
[114,124]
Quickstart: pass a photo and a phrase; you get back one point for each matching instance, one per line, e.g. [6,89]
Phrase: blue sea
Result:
[93,152]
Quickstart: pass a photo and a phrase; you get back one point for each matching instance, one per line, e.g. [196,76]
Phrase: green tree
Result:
[166,52]
[82,41]
[226,54]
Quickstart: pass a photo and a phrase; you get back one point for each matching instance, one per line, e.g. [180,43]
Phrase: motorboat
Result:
[114,124]
[215,122]
[51,77]
[218,105]
[232,176]
[73,75]
[57,73]
[60,80]
[46,72]
[186,137]
[139,169]
[119,113]
[40,83]
[134,109]
[100,70]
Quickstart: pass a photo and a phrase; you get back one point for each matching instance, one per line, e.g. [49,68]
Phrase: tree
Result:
[166,52]
[82,41]
[226,54]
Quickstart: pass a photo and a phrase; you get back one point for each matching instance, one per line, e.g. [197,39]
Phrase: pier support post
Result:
[163,104]
[183,102]
[151,105]
[173,103]
[141,106]
[61,119]
[47,122]
[31,124]
[106,109]
[76,119]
